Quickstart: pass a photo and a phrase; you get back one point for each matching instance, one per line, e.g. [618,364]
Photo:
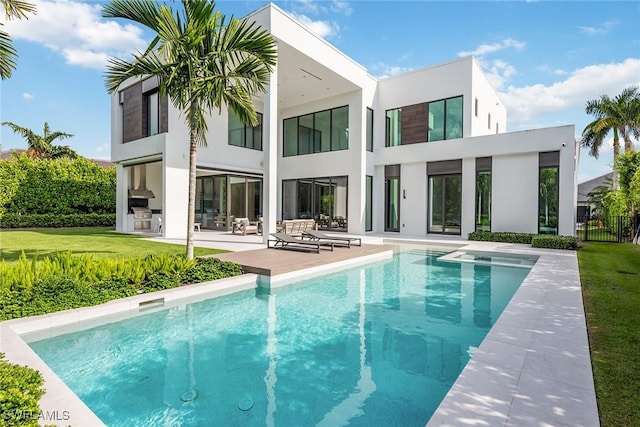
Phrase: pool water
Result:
[379,344]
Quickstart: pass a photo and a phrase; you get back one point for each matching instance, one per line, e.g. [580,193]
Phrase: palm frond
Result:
[8,55]
[17,9]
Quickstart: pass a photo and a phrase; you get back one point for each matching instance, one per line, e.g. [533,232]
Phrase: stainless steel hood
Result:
[138,183]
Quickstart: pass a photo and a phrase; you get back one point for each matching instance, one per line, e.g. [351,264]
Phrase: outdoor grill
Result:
[141,218]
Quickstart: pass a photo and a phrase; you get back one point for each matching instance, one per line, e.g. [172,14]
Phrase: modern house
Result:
[422,153]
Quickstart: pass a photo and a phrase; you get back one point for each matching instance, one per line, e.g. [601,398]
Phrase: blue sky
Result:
[545,58]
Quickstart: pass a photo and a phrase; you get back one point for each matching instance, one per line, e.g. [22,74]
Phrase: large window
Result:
[369,129]
[548,193]
[222,198]
[368,205]
[317,132]
[445,196]
[153,113]
[392,198]
[245,136]
[426,122]
[483,194]
[393,128]
[445,119]
[323,199]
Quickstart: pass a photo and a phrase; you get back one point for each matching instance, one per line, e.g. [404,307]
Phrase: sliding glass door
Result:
[221,198]
[323,199]
[445,204]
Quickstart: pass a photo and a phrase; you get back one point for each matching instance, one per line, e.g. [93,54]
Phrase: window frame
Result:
[369,130]
[245,130]
[315,148]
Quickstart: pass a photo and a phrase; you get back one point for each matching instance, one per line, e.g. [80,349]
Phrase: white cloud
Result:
[103,147]
[498,72]
[78,32]
[324,29]
[485,49]
[383,70]
[602,29]
[28,96]
[341,7]
[530,102]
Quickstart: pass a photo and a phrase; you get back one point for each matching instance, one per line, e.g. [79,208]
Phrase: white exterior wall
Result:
[413,198]
[489,102]
[514,181]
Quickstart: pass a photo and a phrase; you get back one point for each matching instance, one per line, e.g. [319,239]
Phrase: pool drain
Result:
[189,396]
[245,404]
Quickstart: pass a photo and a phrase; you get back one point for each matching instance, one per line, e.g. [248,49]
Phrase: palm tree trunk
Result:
[616,154]
[193,145]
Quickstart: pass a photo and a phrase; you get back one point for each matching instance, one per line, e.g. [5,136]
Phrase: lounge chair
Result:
[319,236]
[286,241]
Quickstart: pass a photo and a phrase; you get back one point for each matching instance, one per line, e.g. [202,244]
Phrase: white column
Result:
[468,219]
[270,177]
[357,154]
[122,185]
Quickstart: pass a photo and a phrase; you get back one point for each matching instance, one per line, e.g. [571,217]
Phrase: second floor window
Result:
[153,113]
[242,135]
[318,132]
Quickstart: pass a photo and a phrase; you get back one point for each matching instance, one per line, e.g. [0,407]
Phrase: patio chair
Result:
[243,226]
[286,241]
[317,236]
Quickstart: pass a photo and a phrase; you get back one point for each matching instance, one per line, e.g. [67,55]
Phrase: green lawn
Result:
[610,276]
[99,241]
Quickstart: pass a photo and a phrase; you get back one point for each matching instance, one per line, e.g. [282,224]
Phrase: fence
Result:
[616,229]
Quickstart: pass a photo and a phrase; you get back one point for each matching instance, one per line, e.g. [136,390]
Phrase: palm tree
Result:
[13,9]
[41,146]
[202,62]
[620,115]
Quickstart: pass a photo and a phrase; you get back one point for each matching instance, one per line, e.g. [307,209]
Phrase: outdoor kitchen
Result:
[144,197]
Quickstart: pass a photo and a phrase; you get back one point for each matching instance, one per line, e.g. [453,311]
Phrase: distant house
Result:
[584,207]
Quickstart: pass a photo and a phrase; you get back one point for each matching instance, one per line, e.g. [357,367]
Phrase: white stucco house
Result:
[422,153]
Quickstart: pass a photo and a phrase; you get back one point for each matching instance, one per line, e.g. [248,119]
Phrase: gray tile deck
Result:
[532,369]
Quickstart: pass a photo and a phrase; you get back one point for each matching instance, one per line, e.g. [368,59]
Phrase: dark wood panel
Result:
[132,110]
[164,114]
[414,123]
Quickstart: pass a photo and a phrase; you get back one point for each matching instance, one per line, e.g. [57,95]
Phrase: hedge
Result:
[503,237]
[548,241]
[57,220]
[60,186]
[554,242]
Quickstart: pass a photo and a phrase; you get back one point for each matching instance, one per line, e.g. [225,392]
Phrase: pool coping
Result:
[533,368]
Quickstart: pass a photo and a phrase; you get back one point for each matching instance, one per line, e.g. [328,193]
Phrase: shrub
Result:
[503,237]
[20,391]
[63,281]
[11,220]
[210,269]
[554,242]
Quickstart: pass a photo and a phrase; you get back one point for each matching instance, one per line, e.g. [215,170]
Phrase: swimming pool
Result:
[380,343]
